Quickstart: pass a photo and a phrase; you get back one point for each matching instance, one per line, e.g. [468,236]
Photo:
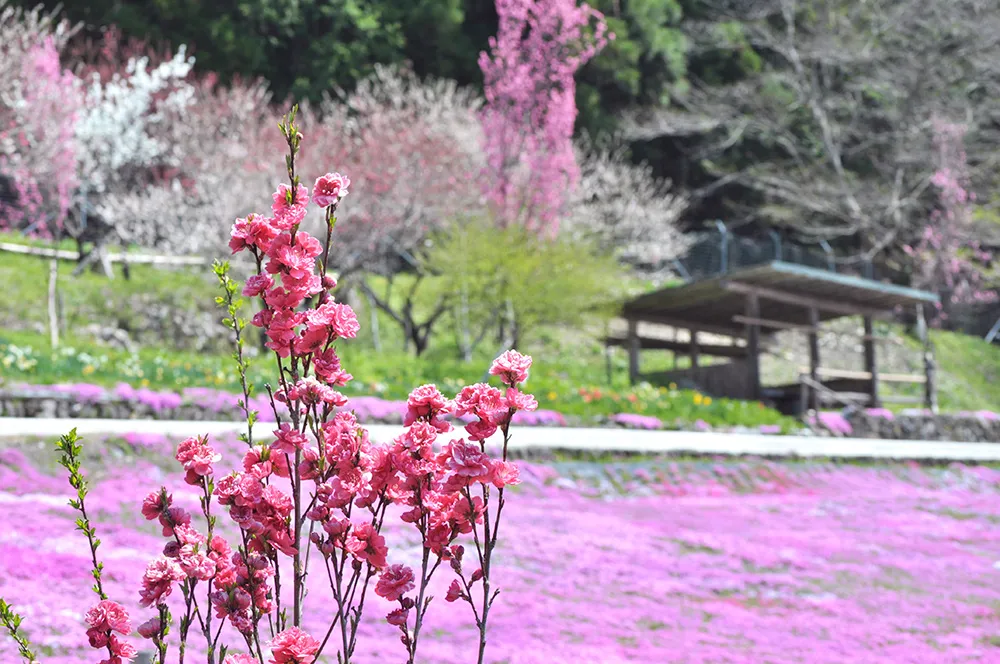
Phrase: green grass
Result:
[968,372]
[93,298]
[572,373]
[571,381]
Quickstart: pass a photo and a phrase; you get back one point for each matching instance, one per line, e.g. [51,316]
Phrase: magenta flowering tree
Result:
[314,500]
[948,258]
[39,106]
[531,106]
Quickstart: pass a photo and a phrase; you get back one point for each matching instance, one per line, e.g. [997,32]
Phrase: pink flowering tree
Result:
[531,106]
[414,150]
[314,500]
[948,258]
[40,103]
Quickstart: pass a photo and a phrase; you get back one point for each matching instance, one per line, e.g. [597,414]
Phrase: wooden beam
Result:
[633,351]
[135,259]
[681,347]
[659,319]
[801,300]
[864,375]
[813,354]
[902,399]
[767,322]
[870,365]
[839,397]
[695,351]
[753,345]
[879,339]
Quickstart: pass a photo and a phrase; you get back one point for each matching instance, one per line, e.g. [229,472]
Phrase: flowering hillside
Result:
[639,562]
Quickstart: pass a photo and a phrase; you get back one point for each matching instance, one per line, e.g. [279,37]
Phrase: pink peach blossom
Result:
[396,581]
[330,189]
[293,646]
[511,367]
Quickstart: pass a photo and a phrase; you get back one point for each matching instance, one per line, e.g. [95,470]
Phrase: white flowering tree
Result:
[622,205]
[119,126]
[215,156]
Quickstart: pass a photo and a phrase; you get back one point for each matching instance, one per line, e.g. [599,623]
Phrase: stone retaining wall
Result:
[43,403]
[84,401]
[981,427]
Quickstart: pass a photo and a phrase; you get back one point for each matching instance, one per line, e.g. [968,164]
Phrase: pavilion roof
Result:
[786,292]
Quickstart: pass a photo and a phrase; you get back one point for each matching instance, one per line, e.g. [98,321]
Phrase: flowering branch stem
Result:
[254,611]
[277,593]
[490,535]
[421,604]
[12,622]
[237,325]
[336,617]
[207,486]
[160,639]
[70,448]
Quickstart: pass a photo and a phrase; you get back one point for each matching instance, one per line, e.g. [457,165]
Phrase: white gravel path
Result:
[578,439]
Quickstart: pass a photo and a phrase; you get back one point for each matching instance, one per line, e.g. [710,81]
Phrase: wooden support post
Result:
[804,391]
[930,384]
[870,364]
[813,358]
[674,352]
[930,387]
[695,351]
[753,345]
[633,351]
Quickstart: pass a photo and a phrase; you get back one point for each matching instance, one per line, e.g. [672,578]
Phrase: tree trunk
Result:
[465,337]
[53,311]
[515,329]
[420,340]
[376,337]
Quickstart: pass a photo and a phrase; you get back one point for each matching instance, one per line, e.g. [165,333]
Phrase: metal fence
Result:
[721,252]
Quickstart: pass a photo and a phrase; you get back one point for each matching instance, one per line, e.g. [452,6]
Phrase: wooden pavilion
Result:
[731,315]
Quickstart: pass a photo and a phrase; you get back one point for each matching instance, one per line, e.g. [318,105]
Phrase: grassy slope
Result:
[969,369]
[92,297]
[969,372]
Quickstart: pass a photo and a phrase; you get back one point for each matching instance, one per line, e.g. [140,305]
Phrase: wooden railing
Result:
[134,259]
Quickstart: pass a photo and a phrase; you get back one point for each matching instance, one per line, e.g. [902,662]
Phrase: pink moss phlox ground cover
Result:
[653,561]
[367,408]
